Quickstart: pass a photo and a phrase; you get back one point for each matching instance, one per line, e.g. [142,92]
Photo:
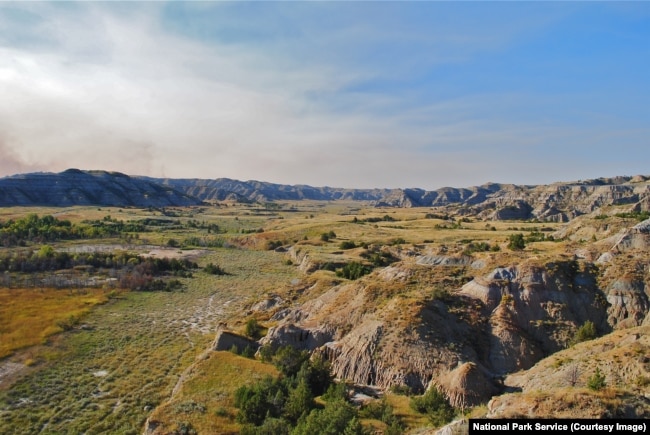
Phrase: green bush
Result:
[353,270]
[380,410]
[586,332]
[253,328]
[326,237]
[434,404]
[214,269]
[289,360]
[597,381]
[516,242]
[336,418]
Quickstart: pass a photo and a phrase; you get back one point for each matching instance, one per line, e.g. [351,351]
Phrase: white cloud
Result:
[101,88]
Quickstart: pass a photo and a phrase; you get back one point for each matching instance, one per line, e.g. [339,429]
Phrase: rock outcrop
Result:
[467,385]
[529,311]
[226,340]
[637,237]
[555,386]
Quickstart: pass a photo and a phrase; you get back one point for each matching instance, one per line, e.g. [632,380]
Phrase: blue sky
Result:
[347,94]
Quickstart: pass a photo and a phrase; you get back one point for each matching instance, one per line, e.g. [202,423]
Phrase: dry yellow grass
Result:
[29,316]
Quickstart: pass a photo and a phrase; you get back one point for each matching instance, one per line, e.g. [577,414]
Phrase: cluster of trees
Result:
[142,276]
[479,247]
[385,218]
[48,259]
[286,405]
[35,229]
[379,258]
[435,406]
[132,271]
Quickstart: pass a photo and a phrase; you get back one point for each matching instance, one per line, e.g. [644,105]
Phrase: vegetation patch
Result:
[28,316]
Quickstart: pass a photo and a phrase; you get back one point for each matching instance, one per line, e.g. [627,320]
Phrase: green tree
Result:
[318,375]
[253,328]
[46,251]
[299,402]
[289,360]
[597,381]
[434,404]
[336,418]
[586,332]
[516,242]
[353,270]
[271,426]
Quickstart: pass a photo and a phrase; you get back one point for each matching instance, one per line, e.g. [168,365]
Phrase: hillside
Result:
[76,187]
[557,202]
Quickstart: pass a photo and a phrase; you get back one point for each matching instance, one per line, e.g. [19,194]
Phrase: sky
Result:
[342,94]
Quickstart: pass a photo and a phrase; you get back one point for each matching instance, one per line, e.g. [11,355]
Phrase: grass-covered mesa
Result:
[108,315]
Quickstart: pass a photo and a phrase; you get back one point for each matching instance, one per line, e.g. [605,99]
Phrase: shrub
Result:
[353,270]
[214,269]
[273,244]
[289,360]
[586,332]
[380,410]
[253,328]
[597,381]
[434,404]
[348,244]
[326,237]
[516,242]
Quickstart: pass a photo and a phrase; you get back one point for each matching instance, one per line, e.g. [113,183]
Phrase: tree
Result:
[253,328]
[586,332]
[434,404]
[516,242]
[46,251]
[336,418]
[299,402]
[597,381]
[289,360]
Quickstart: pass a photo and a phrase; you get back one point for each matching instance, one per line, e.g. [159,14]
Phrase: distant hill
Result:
[76,187]
[222,189]
[553,202]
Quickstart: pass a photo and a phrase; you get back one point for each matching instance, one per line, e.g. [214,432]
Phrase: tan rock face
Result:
[536,309]
[556,386]
[467,385]
[521,314]
[637,237]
